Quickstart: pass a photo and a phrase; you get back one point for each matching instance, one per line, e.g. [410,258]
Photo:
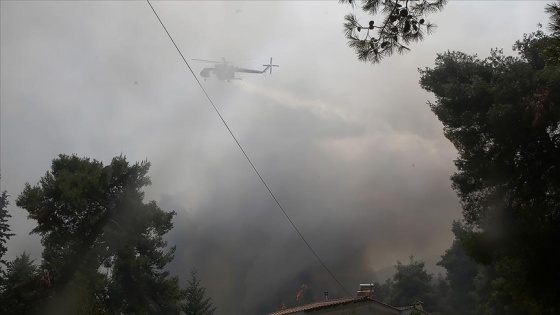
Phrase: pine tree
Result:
[103,246]
[412,283]
[196,303]
[4,228]
[394,25]
[20,286]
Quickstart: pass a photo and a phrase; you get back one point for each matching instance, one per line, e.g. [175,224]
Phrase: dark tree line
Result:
[502,113]
[410,283]
[103,247]
[5,231]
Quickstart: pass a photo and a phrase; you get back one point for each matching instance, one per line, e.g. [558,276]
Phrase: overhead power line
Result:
[247,157]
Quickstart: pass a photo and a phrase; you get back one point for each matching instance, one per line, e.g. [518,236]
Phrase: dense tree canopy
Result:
[103,246]
[410,283]
[400,23]
[502,114]
[461,272]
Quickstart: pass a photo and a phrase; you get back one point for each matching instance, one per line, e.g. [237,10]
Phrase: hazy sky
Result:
[351,150]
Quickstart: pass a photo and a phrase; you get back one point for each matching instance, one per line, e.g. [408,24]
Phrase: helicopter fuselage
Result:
[221,71]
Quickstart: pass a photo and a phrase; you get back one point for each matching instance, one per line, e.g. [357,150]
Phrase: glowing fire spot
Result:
[301,292]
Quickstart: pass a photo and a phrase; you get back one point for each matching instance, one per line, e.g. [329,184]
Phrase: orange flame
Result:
[301,292]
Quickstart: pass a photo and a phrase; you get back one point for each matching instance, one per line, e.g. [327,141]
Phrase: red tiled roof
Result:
[321,304]
[338,302]
[411,307]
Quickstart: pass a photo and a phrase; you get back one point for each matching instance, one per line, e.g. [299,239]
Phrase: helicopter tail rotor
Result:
[269,66]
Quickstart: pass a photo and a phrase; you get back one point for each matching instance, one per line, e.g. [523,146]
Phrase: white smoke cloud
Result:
[319,107]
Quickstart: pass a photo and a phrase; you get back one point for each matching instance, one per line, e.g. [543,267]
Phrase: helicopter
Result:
[223,70]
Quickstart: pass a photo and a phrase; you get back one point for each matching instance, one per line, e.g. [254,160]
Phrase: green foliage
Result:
[488,298]
[554,26]
[139,285]
[502,114]
[382,291]
[103,246]
[20,286]
[402,22]
[20,270]
[5,230]
[461,272]
[195,295]
[412,283]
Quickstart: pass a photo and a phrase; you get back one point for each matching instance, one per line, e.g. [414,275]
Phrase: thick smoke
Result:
[358,207]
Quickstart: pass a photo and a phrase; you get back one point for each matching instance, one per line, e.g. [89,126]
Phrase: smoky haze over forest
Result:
[351,151]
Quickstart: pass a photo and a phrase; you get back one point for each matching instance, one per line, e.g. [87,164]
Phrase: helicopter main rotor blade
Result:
[207,60]
[245,61]
[225,61]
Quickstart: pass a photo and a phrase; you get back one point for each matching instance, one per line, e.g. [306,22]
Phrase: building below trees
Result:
[363,303]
